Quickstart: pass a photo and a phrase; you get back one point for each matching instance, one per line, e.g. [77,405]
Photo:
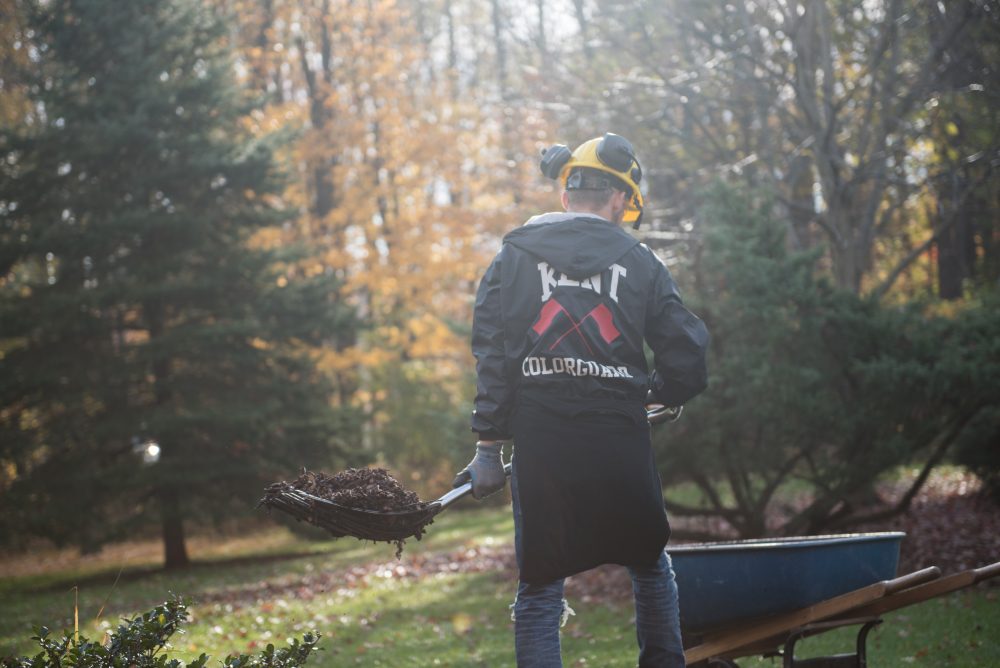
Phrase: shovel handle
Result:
[655,413]
[462,490]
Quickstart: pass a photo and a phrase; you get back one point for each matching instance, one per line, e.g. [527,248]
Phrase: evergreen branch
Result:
[945,440]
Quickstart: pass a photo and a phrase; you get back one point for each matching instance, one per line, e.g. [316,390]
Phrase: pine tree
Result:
[135,305]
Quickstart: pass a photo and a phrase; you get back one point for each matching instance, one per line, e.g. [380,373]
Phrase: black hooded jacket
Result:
[560,319]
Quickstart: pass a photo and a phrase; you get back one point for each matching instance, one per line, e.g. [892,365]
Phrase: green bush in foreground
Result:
[140,643]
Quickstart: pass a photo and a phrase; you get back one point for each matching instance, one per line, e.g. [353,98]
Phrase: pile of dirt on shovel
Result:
[369,489]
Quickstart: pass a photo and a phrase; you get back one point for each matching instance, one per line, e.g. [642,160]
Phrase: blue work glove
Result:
[485,470]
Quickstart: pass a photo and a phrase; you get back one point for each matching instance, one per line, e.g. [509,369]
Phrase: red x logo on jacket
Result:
[600,314]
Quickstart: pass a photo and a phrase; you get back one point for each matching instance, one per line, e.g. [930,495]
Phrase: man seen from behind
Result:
[560,318]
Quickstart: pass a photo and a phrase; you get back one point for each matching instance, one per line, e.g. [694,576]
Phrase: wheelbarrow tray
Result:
[864,606]
[723,583]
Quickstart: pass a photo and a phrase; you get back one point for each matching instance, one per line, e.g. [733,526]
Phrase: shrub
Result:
[140,642]
[815,392]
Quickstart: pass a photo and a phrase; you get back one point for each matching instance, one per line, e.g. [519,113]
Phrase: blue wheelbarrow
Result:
[760,597]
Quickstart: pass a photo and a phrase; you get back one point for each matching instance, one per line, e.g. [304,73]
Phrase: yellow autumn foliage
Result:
[394,174]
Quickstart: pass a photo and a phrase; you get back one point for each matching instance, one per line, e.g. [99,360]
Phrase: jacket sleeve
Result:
[678,339]
[494,395]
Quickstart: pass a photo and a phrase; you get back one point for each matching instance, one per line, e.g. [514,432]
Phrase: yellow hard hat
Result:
[614,155]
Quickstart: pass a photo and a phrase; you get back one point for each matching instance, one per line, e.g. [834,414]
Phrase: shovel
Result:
[388,525]
[341,520]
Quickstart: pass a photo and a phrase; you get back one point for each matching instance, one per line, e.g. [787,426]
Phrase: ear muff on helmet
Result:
[553,159]
[612,154]
[617,153]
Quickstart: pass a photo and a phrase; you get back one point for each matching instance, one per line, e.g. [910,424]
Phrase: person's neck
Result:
[604,213]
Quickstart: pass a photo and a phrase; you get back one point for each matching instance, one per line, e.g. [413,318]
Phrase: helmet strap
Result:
[638,221]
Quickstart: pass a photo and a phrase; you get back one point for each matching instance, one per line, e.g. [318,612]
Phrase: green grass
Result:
[241,602]
[959,630]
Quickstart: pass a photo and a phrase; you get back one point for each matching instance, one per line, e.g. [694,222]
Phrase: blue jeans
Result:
[539,608]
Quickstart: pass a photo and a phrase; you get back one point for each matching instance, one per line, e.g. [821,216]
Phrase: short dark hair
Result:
[592,188]
[589,199]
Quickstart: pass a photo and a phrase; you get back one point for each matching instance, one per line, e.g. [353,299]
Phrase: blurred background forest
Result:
[243,236]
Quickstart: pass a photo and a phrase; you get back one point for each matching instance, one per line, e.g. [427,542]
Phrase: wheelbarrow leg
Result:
[859,659]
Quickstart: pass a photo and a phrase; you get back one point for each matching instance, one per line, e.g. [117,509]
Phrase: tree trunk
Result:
[952,260]
[581,20]
[847,254]
[499,42]
[543,47]
[261,76]
[956,249]
[171,516]
[318,88]
[175,554]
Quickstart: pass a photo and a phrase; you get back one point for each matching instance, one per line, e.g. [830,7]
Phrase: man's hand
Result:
[657,412]
[485,470]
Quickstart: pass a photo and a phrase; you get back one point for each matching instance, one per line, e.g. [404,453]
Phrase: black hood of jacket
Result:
[578,245]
